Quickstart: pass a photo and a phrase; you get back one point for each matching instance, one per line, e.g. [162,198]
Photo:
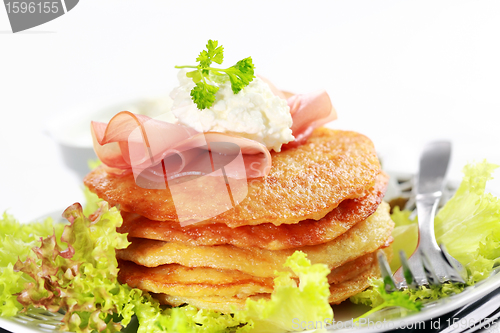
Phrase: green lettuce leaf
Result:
[16,241]
[384,300]
[486,257]
[81,278]
[470,215]
[188,319]
[73,267]
[292,307]
[91,201]
[469,226]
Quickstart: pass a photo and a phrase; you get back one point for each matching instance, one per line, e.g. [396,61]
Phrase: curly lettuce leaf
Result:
[486,257]
[80,279]
[72,267]
[10,285]
[291,304]
[75,269]
[469,226]
[91,201]
[384,300]
[370,296]
[470,215]
[16,241]
[188,319]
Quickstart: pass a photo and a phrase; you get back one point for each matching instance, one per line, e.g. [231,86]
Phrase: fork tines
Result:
[422,269]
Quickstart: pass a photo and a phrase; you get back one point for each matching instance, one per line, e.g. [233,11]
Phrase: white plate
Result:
[38,320]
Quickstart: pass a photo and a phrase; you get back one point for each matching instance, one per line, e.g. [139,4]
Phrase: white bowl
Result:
[72,129]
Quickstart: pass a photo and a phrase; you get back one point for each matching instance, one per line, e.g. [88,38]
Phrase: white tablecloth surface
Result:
[401,72]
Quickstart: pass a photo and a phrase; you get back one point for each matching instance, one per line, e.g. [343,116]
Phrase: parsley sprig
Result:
[240,75]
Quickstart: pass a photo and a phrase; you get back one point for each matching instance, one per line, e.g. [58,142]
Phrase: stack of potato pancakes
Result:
[323,198]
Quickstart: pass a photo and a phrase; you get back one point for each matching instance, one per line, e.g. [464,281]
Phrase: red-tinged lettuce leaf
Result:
[80,279]
[16,242]
[43,291]
[78,273]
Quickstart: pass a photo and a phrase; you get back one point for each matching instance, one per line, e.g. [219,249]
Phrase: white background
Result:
[401,72]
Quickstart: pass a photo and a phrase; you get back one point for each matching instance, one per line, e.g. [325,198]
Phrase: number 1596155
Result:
[32,7]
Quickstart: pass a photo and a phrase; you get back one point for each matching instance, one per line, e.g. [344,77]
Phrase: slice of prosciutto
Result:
[156,151]
[309,111]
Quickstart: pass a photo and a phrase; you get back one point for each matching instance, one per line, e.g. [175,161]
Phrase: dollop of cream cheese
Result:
[254,113]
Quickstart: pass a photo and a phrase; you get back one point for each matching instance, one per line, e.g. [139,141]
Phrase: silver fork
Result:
[430,263]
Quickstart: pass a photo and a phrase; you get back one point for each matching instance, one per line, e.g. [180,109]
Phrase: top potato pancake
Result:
[305,182]
[265,235]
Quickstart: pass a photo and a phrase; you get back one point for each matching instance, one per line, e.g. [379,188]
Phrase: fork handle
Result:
[426,207]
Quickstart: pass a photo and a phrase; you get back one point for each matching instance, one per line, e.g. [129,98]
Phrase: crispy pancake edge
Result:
[266,235]
[364,237]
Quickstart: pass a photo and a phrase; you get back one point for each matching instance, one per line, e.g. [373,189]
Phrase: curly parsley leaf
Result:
[204,95]
[240,75]
[213,53]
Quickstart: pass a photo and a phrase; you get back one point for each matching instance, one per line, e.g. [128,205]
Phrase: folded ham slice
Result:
[154,148]
[157,151]
[309,111]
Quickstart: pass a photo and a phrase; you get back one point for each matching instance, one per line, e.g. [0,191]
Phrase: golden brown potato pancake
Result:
[266,235]
[216,303]
[339,291]
[192,281]
[305,182]
[364,237]
[179,281]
